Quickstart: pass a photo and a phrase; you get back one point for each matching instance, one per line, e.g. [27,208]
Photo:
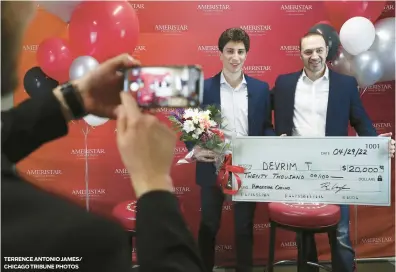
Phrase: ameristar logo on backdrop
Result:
[181,190]
[44,174]
[92,193]
[389,7]
[90,153]
[123,172]
[290,50]
[296,10]
[377,240]
[256,70]
[30,47]
[179,152]
[288,244]
[379,88]
[209,50]
[223,248]
[171,29]
[382,127]
[256,30]
[261,227]
[139,49]
[137,6]
[211,9]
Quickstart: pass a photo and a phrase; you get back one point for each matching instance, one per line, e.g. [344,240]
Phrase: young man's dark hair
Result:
[236,35]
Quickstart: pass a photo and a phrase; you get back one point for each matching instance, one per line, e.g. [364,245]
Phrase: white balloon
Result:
[81,66]
[367,68]
[384,46]
[94,120]
[357,35]
[62,9]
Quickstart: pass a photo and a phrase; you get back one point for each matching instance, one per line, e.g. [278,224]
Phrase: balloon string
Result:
[85,132]
[356,213]
[356,229]
[364,90]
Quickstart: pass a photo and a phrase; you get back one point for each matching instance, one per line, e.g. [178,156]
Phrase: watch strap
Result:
[73,100]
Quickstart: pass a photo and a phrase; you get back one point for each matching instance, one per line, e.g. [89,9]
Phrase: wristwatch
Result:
[73,100]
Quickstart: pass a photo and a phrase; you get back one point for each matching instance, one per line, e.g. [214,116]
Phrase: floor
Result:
[367,266]
[376,266]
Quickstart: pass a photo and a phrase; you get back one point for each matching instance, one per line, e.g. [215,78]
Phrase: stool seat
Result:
[125,213]
[304,215]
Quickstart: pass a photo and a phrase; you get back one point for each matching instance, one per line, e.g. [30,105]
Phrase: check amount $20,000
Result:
[341,170]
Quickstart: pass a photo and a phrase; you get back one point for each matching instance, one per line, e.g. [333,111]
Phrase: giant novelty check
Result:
[330,170]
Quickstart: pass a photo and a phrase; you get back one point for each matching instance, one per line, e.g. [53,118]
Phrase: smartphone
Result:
[179,86]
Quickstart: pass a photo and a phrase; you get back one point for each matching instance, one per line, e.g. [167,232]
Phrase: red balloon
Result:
[103,29]
[54,57]
[338,12]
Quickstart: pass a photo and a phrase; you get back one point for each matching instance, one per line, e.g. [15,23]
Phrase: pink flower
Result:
[205,124]
[218,133]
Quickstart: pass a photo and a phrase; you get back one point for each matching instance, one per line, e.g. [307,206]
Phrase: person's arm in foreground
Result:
[164,242]
[39,120]
[30,124]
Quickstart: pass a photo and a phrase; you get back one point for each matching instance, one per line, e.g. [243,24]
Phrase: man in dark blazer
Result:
[318,102]
[245,105]
[35,223]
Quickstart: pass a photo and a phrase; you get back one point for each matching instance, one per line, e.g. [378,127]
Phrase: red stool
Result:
[305,220]
[125,213]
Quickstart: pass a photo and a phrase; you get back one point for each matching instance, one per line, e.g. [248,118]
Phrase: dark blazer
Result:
[36,223]
[344,105]
[259,117]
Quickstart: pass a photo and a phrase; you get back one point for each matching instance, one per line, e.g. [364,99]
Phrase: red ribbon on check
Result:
[224,177]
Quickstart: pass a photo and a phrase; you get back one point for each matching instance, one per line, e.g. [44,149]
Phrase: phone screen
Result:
[166,86]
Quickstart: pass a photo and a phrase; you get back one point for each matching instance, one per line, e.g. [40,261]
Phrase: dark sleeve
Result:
[59,228]
[163,240]
[268,127]
[358,116]
[30,124]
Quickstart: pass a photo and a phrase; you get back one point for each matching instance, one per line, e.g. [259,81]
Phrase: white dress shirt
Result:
[310,106]
[234,109]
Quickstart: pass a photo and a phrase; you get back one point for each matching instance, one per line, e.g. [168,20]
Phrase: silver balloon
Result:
[62,9]
[384,47]
[82,65]
[367,68]
[342,63]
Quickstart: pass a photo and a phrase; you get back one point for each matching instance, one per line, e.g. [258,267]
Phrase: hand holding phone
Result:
[165,86]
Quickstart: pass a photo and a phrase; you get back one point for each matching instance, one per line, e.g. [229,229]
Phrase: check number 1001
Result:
[372,146]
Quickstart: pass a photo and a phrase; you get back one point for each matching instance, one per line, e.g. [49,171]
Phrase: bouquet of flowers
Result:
[200,128]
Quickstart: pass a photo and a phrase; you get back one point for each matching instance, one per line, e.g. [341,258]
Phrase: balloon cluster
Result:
[97,31]
[368,51]
[365,46]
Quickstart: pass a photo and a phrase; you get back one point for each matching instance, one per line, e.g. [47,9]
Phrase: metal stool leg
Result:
[302,261]
[333,247]
[130,242]
[271,252]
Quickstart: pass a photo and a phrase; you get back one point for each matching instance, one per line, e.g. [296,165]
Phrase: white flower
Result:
[195,136]
[195,119]
[188,126]
[204,115]
[189,113]
[198,131]
[212,123]
[202,125]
